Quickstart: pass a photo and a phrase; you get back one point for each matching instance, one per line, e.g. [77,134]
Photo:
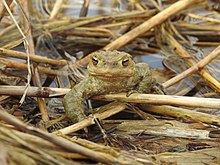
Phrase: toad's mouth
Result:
[110,75]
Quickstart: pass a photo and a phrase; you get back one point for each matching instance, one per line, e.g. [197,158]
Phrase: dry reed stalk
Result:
[134,98]
[207,44]
[25,42]
[34,58]
[189,59]
[74,25]
[209,19]
[56,8]
[7,29]
[161,128]
[119,24]
[199,66]
[94,32]
[198,27]
[93,145]
[149,24]
[163,100]
[30,49]
[14,43]
[194,157]
[183,113]
[199,33]
[59,141]
[89,40]
[144,27]
[92,19]
[84,9]
[33,91]
[19,65]
[107,111]
[3,9]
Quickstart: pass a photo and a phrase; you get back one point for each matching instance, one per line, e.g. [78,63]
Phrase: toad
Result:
[109,72]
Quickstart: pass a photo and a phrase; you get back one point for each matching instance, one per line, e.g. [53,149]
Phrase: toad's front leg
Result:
[73,105]
[73,102]
[146,79]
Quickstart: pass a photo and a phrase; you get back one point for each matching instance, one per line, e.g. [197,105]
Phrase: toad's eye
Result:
[95,61]
[125,62]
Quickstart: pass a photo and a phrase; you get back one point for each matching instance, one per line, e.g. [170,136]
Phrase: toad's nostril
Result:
[114,63]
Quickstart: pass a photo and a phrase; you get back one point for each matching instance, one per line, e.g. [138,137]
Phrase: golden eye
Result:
[125,62]
[95,61]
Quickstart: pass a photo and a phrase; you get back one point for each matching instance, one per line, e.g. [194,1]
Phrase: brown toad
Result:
[109,72]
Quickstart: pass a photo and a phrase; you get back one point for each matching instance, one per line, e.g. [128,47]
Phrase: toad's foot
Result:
[158,88]
[129,93]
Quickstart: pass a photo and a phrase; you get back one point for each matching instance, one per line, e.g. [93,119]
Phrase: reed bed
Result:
[43,53]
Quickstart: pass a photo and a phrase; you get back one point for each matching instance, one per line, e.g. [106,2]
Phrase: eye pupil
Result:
[95,61]
[125,62]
